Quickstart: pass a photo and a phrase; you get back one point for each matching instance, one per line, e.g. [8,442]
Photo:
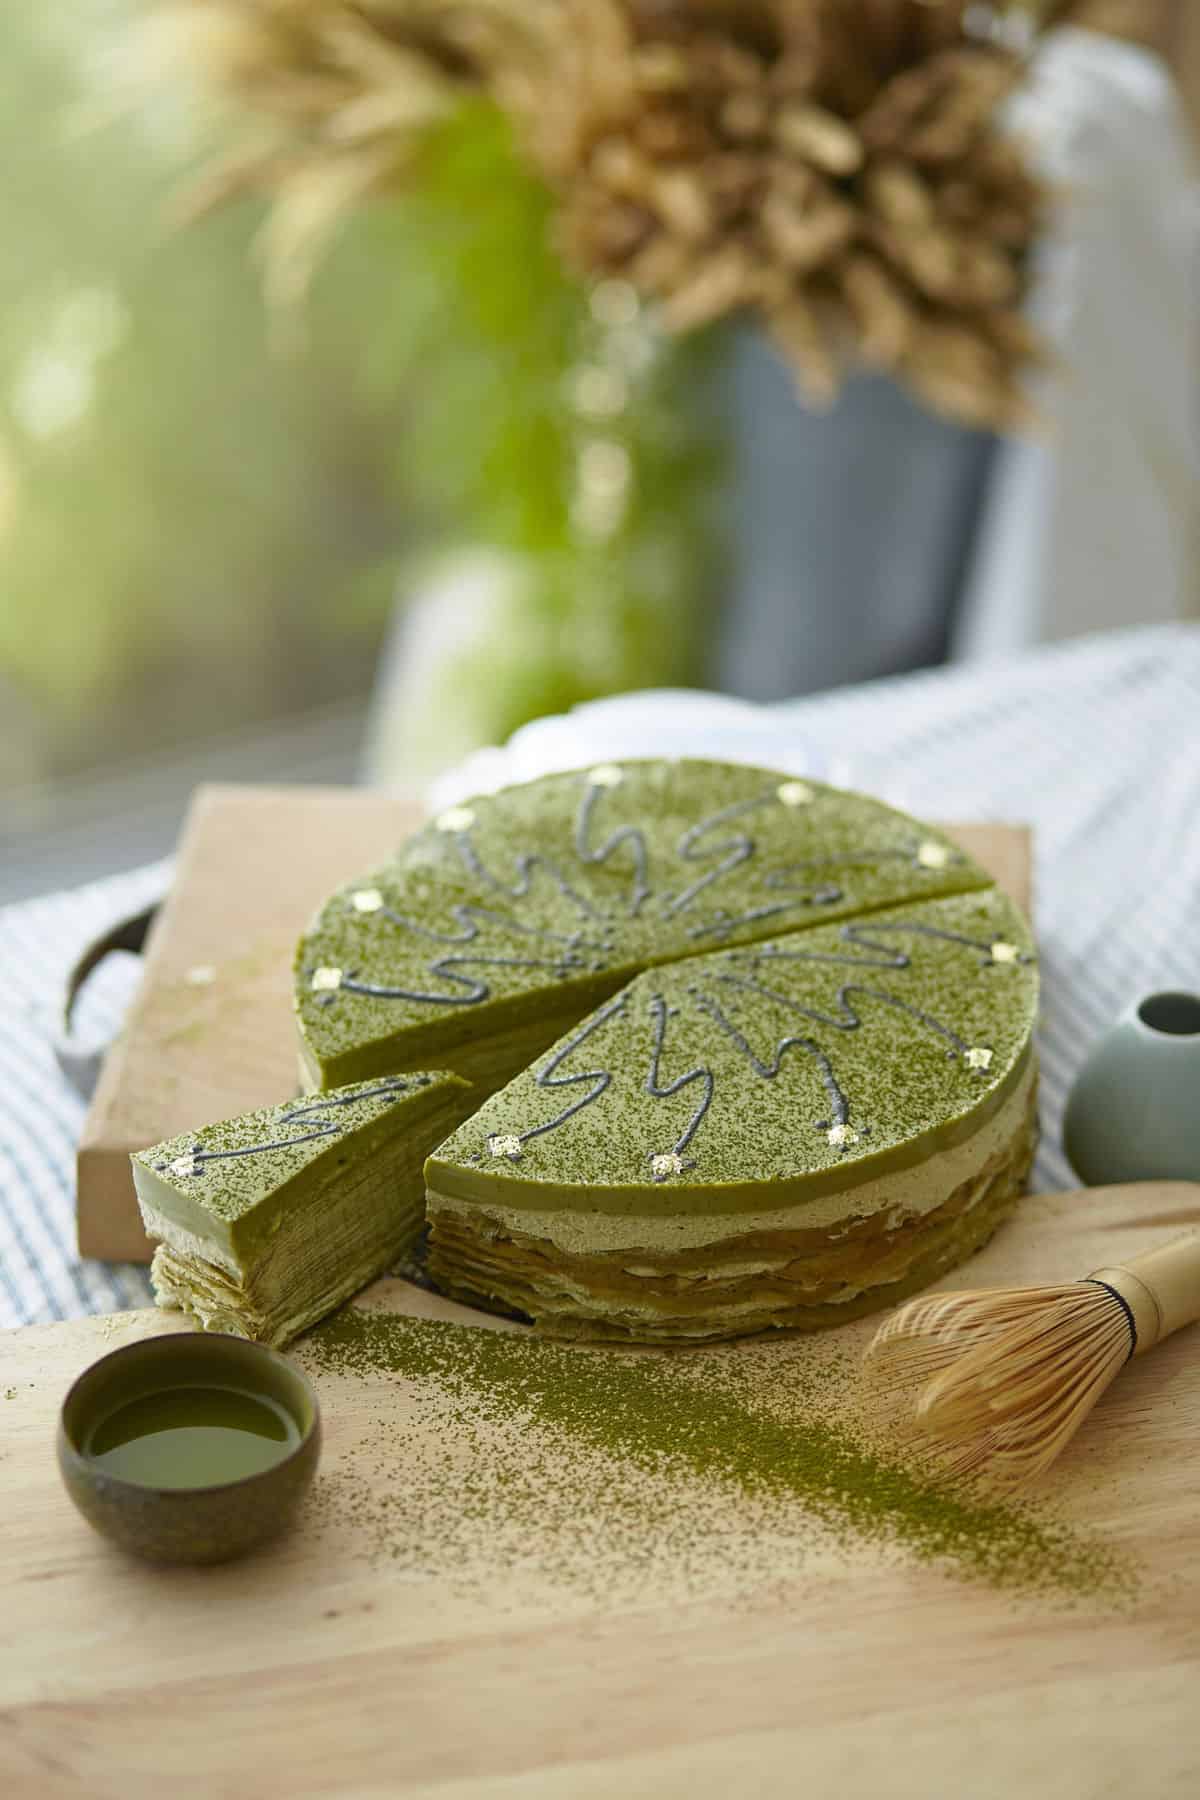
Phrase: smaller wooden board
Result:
[255,863]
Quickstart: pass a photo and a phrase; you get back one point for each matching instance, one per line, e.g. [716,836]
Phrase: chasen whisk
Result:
[994,1382]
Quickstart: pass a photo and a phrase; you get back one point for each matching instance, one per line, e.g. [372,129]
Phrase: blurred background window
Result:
[464,484]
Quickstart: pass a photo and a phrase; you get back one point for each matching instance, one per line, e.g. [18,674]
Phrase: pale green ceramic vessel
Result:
[1134,1112]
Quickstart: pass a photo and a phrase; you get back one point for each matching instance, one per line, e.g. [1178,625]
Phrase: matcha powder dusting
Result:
[721,1468]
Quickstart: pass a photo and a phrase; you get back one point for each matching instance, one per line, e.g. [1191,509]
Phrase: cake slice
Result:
[786,1134]
[268,1221]
[506,920]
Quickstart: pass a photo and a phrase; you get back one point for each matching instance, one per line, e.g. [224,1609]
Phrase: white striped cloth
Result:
[41,1276]
[1096,744]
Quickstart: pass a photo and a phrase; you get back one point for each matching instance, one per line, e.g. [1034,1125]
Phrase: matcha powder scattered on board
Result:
[683,1435]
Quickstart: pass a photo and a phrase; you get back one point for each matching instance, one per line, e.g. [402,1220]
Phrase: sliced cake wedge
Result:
[268,1221]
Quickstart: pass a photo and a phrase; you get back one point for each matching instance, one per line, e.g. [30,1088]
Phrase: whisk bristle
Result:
[994,1382]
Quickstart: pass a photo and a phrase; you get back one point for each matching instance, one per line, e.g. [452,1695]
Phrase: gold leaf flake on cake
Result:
[795,793]
[842,1136]
[668,1162]
[184,1166]
[326,980]
[605,775]
[977,1057]
[367,900]
[504,1144]
[933,856]
[1003,952]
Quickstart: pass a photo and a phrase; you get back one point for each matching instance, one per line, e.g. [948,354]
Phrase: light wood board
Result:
[311,1670]
[255,863]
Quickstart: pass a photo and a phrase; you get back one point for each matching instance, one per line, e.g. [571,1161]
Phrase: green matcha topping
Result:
[558,891]
[772,1427]
[805,1064]
[230,1167]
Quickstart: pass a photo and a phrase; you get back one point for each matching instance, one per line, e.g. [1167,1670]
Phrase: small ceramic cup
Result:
[1134,1111]
[204,1524]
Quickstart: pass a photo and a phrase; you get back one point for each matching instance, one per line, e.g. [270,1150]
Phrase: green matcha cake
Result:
[506,920]
[786,1134]
[266,1222]
[758,1051]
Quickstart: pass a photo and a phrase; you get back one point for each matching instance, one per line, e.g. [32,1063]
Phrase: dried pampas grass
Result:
[833,167]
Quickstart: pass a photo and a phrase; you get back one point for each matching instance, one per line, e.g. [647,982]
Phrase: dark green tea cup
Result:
[190,1447]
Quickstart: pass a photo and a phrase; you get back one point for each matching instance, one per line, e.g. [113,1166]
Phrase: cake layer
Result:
[509,918]
[267,1222]
[796,1269]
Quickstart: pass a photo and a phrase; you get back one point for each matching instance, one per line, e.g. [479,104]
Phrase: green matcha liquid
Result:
[184,1437]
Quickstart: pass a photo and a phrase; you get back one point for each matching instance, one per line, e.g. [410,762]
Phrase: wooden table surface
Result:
[321,1667]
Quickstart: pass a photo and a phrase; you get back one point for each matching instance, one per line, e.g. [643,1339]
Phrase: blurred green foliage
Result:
[198,532]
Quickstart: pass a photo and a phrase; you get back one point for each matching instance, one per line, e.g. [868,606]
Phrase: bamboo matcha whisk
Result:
[994,1382]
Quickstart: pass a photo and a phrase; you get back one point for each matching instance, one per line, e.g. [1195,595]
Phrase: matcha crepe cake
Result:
[268,1221]
[758,1050]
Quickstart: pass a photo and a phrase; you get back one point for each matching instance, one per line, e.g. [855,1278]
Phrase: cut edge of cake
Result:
[268,1268]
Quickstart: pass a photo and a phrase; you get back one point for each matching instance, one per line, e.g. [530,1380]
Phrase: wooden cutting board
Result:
[324,1668]
[211,1031]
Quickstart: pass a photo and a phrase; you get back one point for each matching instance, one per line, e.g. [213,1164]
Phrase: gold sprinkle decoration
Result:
[504,1144]
[977,1057]
[367,900]
[455,818]
[200,975]
[326,980]
[668,1163]
[933,856]
[605,775]
[183,1165]
[840,1136]
[795,793]
[1004,953]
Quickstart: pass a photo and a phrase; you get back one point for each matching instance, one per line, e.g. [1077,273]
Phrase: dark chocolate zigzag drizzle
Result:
[526,864]
[657,1091]
[887,957]
[475,990]
[734,850]
[632,835]
[828,895]
[548,1076]
[768,953]
[393,1088]
[769,1071]
[847,1019]
[857,934]
[738,849]
[468,914]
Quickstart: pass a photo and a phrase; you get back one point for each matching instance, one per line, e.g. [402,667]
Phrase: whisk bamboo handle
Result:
[1161,1288]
